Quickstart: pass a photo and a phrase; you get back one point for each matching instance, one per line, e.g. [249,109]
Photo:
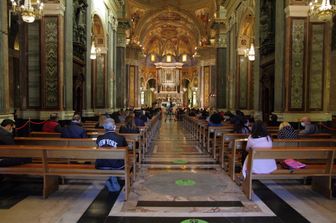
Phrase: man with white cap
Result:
[110,139]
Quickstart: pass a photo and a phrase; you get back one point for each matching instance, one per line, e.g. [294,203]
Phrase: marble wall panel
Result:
[242,82]
[316,71]
[297,64]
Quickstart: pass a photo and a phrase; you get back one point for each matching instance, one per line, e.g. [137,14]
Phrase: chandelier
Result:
[27,11]
[323,11]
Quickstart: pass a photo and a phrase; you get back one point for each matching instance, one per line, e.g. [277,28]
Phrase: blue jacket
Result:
[74,130]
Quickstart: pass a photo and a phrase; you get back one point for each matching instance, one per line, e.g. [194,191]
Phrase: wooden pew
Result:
[50,171]
[130,138]
[321,173]
[240,144]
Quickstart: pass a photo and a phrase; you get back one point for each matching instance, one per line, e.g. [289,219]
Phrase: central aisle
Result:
[178,180]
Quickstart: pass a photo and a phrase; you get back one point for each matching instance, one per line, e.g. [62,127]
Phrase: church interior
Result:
[196,83]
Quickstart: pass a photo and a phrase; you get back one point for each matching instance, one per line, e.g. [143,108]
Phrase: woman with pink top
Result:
[259,138]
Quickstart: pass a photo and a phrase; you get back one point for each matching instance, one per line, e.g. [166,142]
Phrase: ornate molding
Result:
[297,11]
[54,8]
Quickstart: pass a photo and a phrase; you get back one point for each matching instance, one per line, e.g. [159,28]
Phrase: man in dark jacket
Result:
[6,138]
[110,140]
[74,130]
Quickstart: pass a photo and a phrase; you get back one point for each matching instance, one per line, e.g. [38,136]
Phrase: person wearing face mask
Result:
[6,138]
[309,128]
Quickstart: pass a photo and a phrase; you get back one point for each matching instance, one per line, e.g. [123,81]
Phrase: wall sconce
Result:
[152,89]
[93,51]
[250,53]
[168,58]
[152,58]
[185,89]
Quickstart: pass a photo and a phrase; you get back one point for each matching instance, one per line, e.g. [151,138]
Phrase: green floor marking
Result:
[185,182]
[180,161]
[193,221]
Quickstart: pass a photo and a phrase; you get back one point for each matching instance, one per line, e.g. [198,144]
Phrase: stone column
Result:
[110,63]
[121,84]
[279,77]
[5,109]
[88,111]
[221,57]
[256,65]
[68,58]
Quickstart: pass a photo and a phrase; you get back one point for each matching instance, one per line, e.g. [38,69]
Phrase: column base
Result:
[88,113]
[44,115]
[6,116]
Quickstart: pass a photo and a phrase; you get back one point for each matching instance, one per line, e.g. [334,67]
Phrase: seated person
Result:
[139,119]
[74,130]
[52,124]
[110,140]
[215,120]
[286,131]
[309,128]
[241,126]
[259,138]
[101,121]
[6,138]
[129,126]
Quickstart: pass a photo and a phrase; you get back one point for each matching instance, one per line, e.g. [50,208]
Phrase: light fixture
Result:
[185,89]
[169,58]
[250,53]
[93,52]
[152,58]
[152,89]
[184,58]
[323,11]
[27,11]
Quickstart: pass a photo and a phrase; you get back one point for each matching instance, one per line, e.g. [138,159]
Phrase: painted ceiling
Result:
[172,27]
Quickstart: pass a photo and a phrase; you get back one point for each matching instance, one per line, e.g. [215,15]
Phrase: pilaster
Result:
[123,25]
[5,108]
[68,56]
[221,57]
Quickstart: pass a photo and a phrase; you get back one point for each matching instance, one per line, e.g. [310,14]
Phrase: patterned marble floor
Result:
[177,177]
[177,182]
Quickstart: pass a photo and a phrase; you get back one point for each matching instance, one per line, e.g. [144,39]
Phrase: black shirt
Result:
[110,139]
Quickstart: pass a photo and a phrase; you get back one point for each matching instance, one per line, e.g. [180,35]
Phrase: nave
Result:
[177,182]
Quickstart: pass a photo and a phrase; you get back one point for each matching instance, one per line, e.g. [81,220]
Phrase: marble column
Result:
[221,56]
[110,63]
[68,57]
[256,64]
[279,77]
[5,108]
[121,84]
[88,111]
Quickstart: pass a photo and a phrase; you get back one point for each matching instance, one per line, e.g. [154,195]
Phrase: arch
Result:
[98,31]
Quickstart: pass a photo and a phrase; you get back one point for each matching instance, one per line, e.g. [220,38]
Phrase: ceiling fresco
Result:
[172,27]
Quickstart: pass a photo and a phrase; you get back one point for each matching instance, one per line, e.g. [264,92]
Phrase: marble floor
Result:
[177,182]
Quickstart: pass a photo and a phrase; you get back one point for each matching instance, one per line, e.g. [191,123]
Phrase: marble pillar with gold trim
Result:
[5,109]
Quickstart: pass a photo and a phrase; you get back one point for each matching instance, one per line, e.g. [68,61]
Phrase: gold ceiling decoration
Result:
[171,27]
